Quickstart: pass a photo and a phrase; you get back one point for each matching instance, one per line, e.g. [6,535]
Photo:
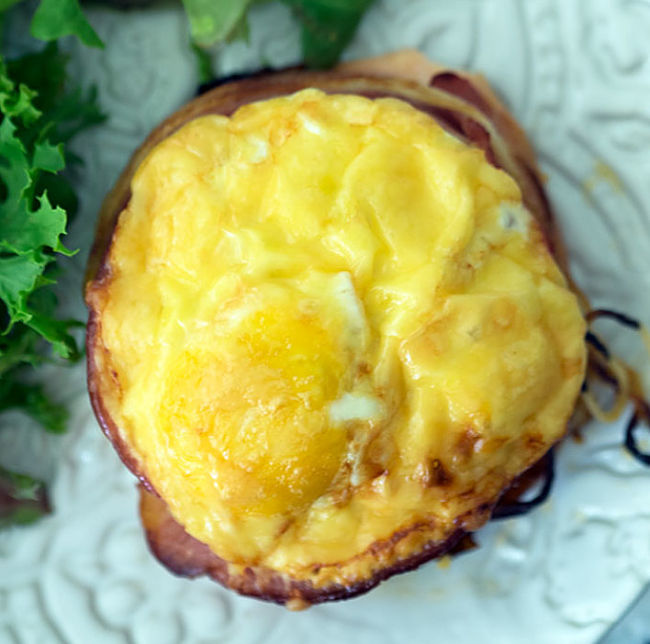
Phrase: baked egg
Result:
[328,333]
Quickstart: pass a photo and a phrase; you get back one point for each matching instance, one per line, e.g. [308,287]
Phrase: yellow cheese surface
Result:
[331,320]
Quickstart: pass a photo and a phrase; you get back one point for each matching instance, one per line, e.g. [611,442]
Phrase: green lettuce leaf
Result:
[212,21]
[57,18]
[65,111]
[33,195]
[40,114]
[31,399]
[327,27]
[5,4]
[27,230]
[30,228]
[23,499]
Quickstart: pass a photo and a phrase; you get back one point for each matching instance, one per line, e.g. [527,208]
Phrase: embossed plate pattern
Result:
[577,74]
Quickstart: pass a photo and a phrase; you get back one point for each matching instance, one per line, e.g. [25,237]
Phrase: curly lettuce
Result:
[40,114]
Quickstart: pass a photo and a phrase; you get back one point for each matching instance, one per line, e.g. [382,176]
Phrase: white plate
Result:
[577,74]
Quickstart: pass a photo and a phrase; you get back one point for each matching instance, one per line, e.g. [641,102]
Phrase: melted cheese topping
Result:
[330,320]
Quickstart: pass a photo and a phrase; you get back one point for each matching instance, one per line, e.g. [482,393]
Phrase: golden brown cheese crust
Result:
[410,545]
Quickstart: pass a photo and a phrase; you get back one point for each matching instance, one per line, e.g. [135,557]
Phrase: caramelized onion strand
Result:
[631,442]
[509,509]
[621,318]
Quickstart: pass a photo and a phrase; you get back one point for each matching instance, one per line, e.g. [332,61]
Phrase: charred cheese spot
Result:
[331,321]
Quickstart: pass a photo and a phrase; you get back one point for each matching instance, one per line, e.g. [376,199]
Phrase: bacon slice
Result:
[187,557]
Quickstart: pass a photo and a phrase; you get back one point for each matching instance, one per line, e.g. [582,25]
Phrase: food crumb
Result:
[297,604]
[444,562]
[602,173]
